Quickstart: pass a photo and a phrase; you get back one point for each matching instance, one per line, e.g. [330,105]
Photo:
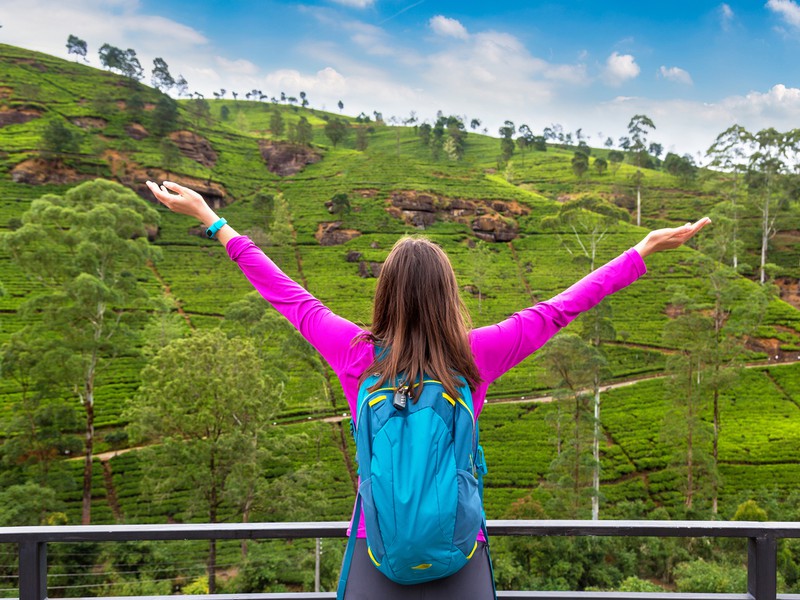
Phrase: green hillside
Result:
[232,157]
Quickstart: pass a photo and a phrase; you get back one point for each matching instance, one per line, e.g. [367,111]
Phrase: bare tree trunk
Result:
[764,238]
[638,205]
[86,512]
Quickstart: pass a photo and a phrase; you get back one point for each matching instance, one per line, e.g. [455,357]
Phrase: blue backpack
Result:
[421,489]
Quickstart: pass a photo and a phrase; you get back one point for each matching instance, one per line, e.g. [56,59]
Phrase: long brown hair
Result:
[419,320]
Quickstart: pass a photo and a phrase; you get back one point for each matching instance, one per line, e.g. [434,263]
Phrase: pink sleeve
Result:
[498,348]
[330,334]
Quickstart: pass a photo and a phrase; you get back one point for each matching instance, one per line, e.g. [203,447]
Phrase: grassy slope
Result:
[204,282]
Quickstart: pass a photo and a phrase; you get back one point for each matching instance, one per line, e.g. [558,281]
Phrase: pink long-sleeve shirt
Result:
[496,348]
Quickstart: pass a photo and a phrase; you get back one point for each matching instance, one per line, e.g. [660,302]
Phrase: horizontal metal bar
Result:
[501,594]
[333,529]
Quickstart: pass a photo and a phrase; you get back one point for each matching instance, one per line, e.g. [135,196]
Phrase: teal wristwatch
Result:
[215,227]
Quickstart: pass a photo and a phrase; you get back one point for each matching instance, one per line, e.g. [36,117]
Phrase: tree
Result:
[637,179]
[336,130]
[59,139]
[638,128]
[170,154]
[580,164]
[121,61]
[85,249]
[481,262]
[181,86]
[525,140]
[164,116]
[682,167]
[303,99]
[507,140]
[200,110]
[303,132]
[600,165]
[362,137]
[276,123]
[729,154]
[767,175]
[615,157]
[40,428]
[571,363]
[590,218]
[160,76]
[76,46]
[213,436]
[340,104]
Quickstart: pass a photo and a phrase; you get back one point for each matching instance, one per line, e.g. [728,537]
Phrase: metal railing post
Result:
[762,567]
[32,570]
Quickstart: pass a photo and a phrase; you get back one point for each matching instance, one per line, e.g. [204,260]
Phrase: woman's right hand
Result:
[670,237]
[183,201]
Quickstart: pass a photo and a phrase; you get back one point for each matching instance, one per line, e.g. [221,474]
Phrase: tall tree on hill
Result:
[59,140]
[181,86]
[336,130]
[580,164]
[638,128]
[161,78]
[525,140]
[304,134]
[588,219]
[570,364]
[40,428]
[213,437]
[76,46]
[84,250]
[165,115]
[507,140]
[771,182]
[277,125]
[124,62]
[728,155]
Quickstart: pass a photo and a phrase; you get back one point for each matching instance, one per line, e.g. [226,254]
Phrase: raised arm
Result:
[500,347]
[329,333]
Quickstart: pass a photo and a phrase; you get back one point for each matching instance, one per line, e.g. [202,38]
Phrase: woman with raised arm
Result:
[419,326]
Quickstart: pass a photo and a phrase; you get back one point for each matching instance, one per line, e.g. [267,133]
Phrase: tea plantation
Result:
[759,415]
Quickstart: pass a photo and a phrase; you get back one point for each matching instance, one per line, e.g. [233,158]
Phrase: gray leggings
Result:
[473,582]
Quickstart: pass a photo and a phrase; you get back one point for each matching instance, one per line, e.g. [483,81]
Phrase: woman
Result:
[420,322]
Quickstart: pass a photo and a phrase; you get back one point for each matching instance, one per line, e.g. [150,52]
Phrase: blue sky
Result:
[694,68]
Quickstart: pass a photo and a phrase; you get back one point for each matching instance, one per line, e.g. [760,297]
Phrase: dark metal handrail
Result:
[761,551]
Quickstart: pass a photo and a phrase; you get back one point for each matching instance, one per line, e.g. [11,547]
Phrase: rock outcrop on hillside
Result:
[490,220]
[284,158]
[195,147]
[15,116]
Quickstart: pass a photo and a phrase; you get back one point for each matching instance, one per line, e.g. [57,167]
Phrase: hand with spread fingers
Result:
[670,237]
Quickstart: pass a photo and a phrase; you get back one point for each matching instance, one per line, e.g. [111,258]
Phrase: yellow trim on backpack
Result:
[449,399]
[475,547]
[369,551]
[374,401]
[422,567]
[464,404]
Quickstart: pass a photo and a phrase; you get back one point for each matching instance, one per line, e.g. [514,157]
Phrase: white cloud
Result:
[726,16]
[237,67]
[620,68]
[675,74]
[787,9]
[355,3]
[448,27]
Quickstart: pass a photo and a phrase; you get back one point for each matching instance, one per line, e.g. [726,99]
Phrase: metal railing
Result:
[761,550]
